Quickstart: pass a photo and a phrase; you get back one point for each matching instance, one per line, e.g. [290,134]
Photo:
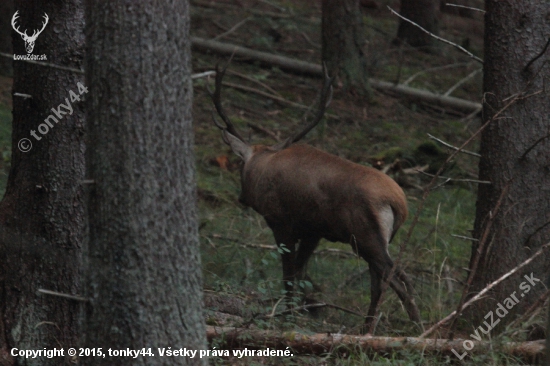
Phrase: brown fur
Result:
[306,194]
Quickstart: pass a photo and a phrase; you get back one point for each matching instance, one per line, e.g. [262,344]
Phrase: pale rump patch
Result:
[385,220]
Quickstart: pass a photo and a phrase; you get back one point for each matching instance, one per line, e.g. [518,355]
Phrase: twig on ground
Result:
[484,291]
[308,40]
[280,8]
[438,38]
[312,306]
[254,81]
[217,5]
[462,81]
[456,179]
[203,74]
[437,68]
[264,131]
[464,237]
[453,147]
[232,29]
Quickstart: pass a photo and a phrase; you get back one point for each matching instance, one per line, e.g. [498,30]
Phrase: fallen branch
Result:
[465,7]
[484,291]
[233,29]
[302,67]
[322,343]
[217,5]
[438,38]
[454,147]
[455,179]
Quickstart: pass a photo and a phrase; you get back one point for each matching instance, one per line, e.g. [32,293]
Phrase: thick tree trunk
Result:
[423,13]
[42,217]
[6,12]
[343,40]
[515,33]
[143,270]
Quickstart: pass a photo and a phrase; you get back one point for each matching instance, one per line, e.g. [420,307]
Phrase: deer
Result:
[305,194]
[29,40]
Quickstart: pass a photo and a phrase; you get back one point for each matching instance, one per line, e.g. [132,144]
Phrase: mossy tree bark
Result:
[343,40]
[514,155]
[143,269]
[423,13]
[42,216]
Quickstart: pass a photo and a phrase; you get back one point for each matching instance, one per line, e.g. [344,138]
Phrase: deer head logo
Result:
[29,40]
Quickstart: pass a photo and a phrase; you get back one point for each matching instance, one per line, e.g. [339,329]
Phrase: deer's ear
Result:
[243,150]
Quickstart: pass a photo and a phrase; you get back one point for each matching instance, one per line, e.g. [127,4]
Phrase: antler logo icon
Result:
[29,40]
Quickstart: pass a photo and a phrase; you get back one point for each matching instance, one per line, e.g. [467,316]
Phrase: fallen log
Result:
[322,343]
[308,68]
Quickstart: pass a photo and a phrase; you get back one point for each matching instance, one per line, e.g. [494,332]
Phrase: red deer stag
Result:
[306,194]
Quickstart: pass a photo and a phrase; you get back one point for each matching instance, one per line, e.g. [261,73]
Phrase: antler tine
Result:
[16,28]
[216,99]
[326,98]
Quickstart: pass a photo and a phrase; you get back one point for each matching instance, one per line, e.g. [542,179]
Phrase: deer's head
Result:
[29,40]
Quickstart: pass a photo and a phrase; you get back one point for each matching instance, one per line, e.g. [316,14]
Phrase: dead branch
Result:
[453,147]
[217,5]
[438,38]
[243,76]
[461,81]
[448,179]
[464,237]
[536,305]
[437,68]
[66,296]
[302,67]
[533,146]
[538,56]
[265,131]
[479,251]
[232,29]
[323,343]
[465,7]
[313,306]
[484,291]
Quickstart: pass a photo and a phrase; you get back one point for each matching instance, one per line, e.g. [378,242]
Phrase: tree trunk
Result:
[515,33]
[423,13]
[42,219]
[6,12]
[343,39]
[143,269]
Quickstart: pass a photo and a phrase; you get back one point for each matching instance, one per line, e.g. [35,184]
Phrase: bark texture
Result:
[143,269]
[343,39]
[6,12]
[42,218]
[514,154]
[322,343]
[423,13]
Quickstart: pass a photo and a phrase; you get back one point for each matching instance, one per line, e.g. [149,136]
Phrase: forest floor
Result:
[384,131]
